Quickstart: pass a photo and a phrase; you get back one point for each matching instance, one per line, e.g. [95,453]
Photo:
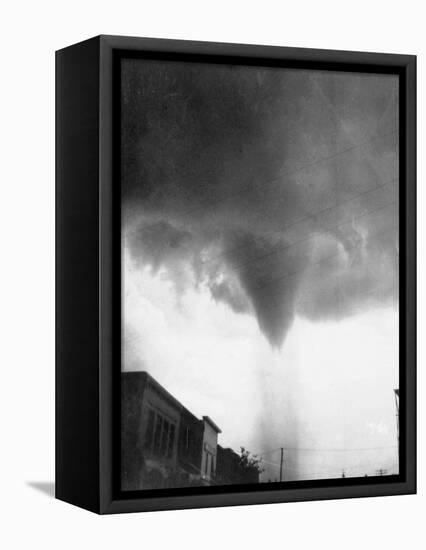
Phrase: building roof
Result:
[159,388]
[156,386]
[212,424]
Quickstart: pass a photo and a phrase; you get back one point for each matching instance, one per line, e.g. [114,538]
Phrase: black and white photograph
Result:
[259,274]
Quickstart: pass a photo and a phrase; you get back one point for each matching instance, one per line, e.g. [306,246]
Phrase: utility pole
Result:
[396,393]
[281,464]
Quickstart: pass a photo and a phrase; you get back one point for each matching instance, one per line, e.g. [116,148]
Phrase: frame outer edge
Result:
[77,319]
[106,355]
[411,275]
[107,45]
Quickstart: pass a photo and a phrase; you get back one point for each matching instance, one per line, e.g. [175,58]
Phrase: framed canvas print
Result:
[235,274]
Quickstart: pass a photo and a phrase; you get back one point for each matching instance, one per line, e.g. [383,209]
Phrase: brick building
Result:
[164,445]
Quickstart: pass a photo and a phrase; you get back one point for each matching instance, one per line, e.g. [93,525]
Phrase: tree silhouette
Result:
[250,462]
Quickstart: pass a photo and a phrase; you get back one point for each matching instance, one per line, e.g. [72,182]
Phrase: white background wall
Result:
[29,34]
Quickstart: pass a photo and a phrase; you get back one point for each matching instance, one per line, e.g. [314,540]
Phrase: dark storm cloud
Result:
[224,292]
[273,188]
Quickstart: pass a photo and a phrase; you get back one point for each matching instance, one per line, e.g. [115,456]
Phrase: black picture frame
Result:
[88,275]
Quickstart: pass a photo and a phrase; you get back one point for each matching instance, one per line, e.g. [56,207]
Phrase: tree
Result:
[250,462]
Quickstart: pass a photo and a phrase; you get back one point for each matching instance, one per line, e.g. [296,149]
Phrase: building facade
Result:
[164,445]
[209,451]
[189,449]
[150,427]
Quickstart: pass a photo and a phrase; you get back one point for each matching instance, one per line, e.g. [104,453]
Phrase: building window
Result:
[187,438]
[149,433]
[159,435]
[208,463]
[165,437]
[171,440]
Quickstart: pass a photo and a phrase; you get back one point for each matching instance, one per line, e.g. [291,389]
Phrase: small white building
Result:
[209,451]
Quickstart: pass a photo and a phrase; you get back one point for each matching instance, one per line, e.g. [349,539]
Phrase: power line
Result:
[291,172]
[301,220]
[284,276]
[351,471]
[335,472]
[276,305]
[270,451]
[341,450]
[306,218]
[330,257]
[327,449]
[307,239]
[372,292]
[318,161]
[324,259]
